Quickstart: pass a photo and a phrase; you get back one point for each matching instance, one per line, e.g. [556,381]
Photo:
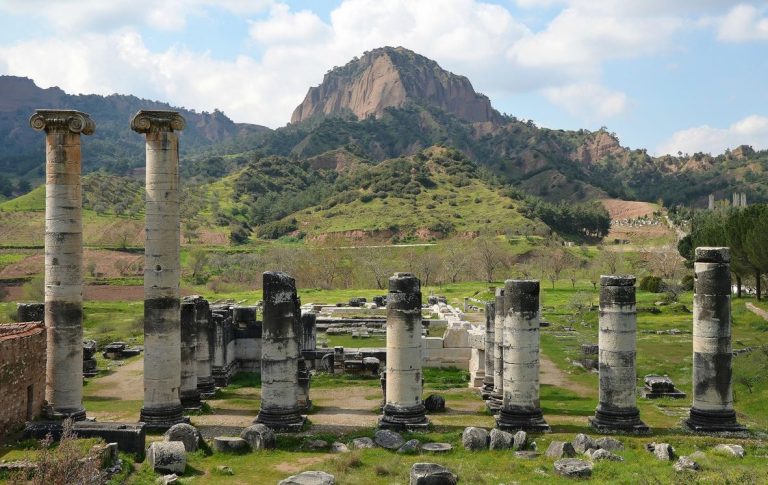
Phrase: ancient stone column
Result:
[309,331]
[162,338]
[520,409]
[188,392]
[63,259]
[617,344]
[495,399]
[490,315]
[205,338]
[712,409]
[404,408]
[280,355]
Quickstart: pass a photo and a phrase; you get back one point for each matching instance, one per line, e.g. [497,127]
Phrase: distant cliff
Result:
[391,78]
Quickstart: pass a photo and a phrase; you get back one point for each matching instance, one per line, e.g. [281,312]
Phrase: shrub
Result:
[276,229]
[651,284]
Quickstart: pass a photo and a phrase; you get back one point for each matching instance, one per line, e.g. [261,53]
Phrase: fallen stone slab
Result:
[432,474]
[527,454]
[663,451]
[259,437]
[573,468]
[560,449]
[686,463]
[597,454]
[167,457]
[582,442]
[437,447]
[474,439]
[386,438]
[729,449]
[186,433]
[610,444]
[410,447]
[230,444]
[309,478]
[363,443]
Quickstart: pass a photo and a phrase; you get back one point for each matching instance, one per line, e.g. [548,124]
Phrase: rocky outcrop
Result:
[393,77]
[597,146]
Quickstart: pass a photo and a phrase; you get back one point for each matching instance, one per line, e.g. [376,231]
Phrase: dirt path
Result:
[757,311]
[126,382]
[551,375]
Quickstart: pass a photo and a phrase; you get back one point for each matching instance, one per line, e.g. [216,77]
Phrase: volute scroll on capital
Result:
[146,121]
[62,120]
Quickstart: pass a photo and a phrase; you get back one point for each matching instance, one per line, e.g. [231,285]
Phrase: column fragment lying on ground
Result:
[404,408]
[63,259]
[162,338]
[617,406]
[280,355]
[712,409]
[188,392]
[496,397]
[490,315]
[520,408]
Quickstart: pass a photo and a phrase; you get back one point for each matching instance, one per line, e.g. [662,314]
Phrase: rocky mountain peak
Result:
[393,77]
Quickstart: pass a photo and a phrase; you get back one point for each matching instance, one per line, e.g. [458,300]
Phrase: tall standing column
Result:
[63,259]
[309,331]
[617,343]
[188,393]
[404,408]
[521,408]
[205,338]
[497,395]
[712,409]
[280,355]
[162,338]
[490,315]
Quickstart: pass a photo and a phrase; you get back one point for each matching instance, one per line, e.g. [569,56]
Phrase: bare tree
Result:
[376,261]
[455,260]
[489,255]
[556,262]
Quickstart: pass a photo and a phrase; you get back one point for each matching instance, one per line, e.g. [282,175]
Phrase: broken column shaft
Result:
[712,409]
[188,393]
[280,354]
[520,408]
[63,259]
[162,338]
[617,407]
[203,317]
[496,397]
[490,312]
[404,408]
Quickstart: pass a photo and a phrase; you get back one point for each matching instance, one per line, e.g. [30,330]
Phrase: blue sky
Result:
[669,76]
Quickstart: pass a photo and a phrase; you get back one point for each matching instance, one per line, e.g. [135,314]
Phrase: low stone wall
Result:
[22,374]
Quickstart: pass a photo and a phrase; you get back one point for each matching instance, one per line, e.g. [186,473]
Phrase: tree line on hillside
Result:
[744,230]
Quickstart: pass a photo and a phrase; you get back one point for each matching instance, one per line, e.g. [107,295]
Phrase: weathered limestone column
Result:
[521,408]
[404,408]
[162,339]
[280,355]
[203,317]
[494,401]
[617,343]
[309,331]
[490,315]
[712,409]
[63,259]
[188,393]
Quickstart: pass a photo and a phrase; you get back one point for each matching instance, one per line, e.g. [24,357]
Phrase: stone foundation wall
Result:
[22,374]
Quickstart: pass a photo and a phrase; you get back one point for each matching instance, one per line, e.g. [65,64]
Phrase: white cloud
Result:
[752,130]
[588,101]
[742,23]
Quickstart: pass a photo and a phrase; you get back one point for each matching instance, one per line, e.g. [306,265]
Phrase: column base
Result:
[516,419]
[487,389]
[282,421]
[190,400]
[160,419]
[77,414]
[627,421]
[402,418]
[701,421]
[494,402]
[206,387]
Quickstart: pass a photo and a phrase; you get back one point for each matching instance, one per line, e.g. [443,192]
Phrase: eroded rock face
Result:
[309,478]
[393,77]
[432,474]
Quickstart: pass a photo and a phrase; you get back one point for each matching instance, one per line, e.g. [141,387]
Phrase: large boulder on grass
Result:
[560,449]
[432,474]
[388,439]
[573,468]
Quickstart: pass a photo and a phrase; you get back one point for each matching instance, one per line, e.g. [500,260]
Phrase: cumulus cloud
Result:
[743,23]
[588,101]
[752,130]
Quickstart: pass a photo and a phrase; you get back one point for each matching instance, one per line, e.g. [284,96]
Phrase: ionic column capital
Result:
[147,121]
[62,120]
